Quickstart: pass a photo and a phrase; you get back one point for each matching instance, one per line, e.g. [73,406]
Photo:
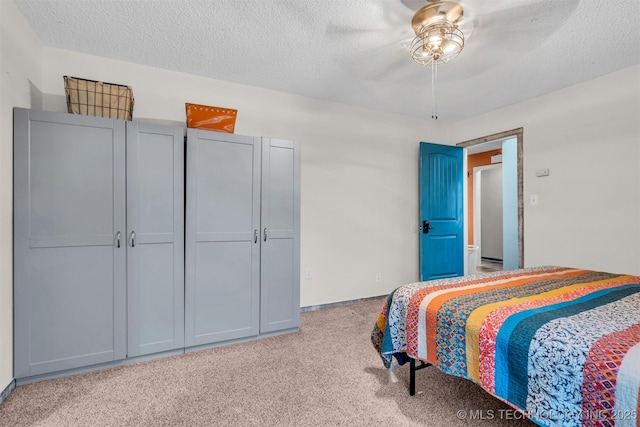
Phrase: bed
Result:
[559,345]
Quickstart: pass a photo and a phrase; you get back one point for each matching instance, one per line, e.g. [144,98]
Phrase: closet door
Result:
[222,269]
[69,241]
[280,254]
[155,238]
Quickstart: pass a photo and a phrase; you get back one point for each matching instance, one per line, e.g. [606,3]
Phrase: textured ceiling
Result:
[351,51]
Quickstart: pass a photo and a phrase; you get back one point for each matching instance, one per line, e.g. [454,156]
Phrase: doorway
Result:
[509,144]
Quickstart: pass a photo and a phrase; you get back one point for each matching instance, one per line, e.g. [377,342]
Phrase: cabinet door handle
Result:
[132,239]
[117,240]
[265,234]
[255,236]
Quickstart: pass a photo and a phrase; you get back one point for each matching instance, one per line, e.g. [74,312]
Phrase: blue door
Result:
[441,211]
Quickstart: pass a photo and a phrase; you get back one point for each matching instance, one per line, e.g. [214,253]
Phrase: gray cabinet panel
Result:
[222,267]
[280,296]
[68,317]
[155,308]
[61,204]
[280,252]
[69,274]
[226,303]
[155,238]
[225,187]
[156,170]
[279,188]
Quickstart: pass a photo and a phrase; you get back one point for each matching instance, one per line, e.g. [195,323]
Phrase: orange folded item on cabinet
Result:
[209,117]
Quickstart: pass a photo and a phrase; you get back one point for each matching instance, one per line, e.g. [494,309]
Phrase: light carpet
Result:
[327,374]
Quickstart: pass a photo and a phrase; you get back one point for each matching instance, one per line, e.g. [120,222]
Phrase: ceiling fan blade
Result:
[383,61]
[380,15]
[371,48]
[527,24]
[414,4]
[508,31]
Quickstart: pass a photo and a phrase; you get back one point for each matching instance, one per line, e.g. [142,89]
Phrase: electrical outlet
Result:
[378,277]
[308,274]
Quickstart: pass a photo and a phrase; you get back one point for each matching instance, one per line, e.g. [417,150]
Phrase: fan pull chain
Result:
[434,92]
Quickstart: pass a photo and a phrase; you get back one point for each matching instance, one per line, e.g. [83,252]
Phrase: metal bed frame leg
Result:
[412,374]
[412,377]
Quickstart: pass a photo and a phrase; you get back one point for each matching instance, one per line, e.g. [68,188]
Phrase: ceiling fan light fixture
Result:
[438,39]
[440,43]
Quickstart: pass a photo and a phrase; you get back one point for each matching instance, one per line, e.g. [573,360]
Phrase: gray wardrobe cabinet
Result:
[98,240]
[105,267]
[242,253]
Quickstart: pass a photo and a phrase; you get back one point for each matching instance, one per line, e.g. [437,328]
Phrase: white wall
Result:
[20,82]
[359,167]
[491,215]
[588,136]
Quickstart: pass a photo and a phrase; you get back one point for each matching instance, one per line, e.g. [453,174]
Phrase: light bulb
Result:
[449,47]
[435,40]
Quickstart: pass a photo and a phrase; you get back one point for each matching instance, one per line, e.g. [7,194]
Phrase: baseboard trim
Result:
[200,347]
[8,389]
[337,304]
[278,333]
[138,359]
[99,367]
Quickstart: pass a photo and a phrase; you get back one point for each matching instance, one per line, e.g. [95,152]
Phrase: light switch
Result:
[533,199]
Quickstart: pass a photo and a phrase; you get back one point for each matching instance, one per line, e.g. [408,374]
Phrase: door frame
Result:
[518,134]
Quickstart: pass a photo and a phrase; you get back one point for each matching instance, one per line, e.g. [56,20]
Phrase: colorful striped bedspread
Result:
[561,345]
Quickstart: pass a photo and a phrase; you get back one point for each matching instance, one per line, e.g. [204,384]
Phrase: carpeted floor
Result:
[328,374]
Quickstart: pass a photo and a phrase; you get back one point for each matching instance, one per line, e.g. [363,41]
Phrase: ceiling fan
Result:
[380,43]
[434,32]
[394,20]
[438,40]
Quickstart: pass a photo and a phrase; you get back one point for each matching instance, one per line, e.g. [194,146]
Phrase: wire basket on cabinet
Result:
[94,98]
